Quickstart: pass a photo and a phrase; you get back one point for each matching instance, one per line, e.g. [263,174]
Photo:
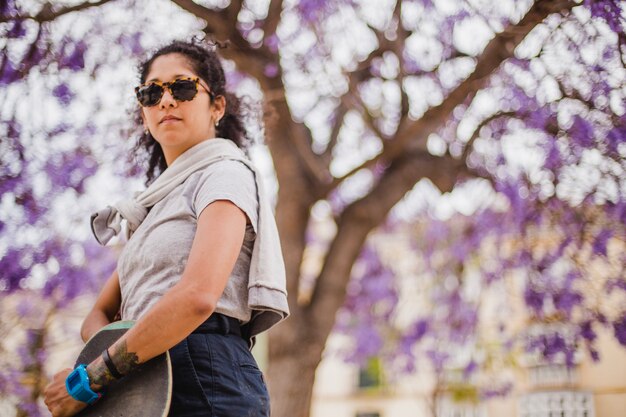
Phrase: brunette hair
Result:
[205,62]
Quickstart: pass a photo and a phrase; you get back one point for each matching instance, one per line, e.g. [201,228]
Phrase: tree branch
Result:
[248,59]
[214,18]
[358,103]
[499,49]
[362,216]
[232,12]
[273,17]
[399,45]
[48,12]
[476,133]
[340,114]
[406,168]
[367,164]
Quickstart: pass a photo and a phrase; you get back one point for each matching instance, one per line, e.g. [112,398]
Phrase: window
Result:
[557,403]
[368,414]
[370,375]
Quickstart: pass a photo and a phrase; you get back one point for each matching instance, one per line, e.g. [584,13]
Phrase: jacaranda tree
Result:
[365,105]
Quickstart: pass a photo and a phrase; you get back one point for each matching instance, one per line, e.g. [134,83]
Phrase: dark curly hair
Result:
[205,62]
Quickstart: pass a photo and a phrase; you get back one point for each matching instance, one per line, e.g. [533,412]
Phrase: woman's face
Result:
[179,125]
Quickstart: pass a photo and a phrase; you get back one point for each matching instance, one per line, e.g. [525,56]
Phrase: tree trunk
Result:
[289,398]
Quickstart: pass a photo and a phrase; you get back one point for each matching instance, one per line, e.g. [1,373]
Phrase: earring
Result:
[146,132]
[217,123]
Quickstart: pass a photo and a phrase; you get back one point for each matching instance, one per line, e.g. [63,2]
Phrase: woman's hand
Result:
[58,400]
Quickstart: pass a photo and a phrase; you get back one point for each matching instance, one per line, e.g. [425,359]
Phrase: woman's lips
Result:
[169,119]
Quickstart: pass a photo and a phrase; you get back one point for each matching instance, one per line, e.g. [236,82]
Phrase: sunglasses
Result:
[182,89]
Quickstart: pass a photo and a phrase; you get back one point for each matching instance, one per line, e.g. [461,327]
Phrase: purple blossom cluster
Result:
[63,93]
[51,268]
[314,11]
[551,345]
[370,305]
[619,327]
[610,11]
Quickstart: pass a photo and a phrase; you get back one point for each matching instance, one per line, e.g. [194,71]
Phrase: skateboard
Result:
[146,392]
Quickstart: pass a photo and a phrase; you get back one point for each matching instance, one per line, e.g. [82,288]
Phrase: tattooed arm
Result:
[216,246]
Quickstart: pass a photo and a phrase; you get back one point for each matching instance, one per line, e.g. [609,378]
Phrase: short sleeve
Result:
[228,180]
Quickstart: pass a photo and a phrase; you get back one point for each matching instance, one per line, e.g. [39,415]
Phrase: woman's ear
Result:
[219,104]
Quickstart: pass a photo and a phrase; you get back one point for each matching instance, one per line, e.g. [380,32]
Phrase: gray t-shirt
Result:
[154,258]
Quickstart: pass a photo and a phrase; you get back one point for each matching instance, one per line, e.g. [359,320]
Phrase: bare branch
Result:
[313,162]
[476,133]
[367,164]
[216,19]
[340,114]
[362,216]
[232,12]
[49,13]
[297,138]
[499,49]
[452,57]
[358,103]
[399,45]
[273,17]
[249,59]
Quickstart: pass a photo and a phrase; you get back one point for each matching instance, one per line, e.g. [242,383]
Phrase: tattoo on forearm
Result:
[99,374]
[124,360]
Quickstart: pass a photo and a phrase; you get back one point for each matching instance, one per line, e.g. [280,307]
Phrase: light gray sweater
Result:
[267,294]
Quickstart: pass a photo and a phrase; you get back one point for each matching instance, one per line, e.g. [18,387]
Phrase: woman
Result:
[202,272]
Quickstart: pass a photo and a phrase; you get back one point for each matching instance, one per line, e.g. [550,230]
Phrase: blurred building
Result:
[542,390]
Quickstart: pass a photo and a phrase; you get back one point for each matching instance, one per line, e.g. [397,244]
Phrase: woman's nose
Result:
[167,100]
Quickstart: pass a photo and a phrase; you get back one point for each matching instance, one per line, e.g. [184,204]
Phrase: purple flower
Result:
[416,332]
[10,72]
[608,10]
[272,43]
[427,4]
[599,243]
[17,30]
[368,341]
[311,10]
[471,367]
[553,158]
[314,11]
[581,132]
[63,93]
[31,409]
[7,8]
[619,326]
[534,300]
[75,61]
[271,70]
[437,358]
[566,299]
[11,270]
[409,64]
[132,43]
[59,129]
[615,137]
[494,391]
[615,283]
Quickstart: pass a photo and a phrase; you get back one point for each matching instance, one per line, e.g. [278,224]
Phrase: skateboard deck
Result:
[146,392]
